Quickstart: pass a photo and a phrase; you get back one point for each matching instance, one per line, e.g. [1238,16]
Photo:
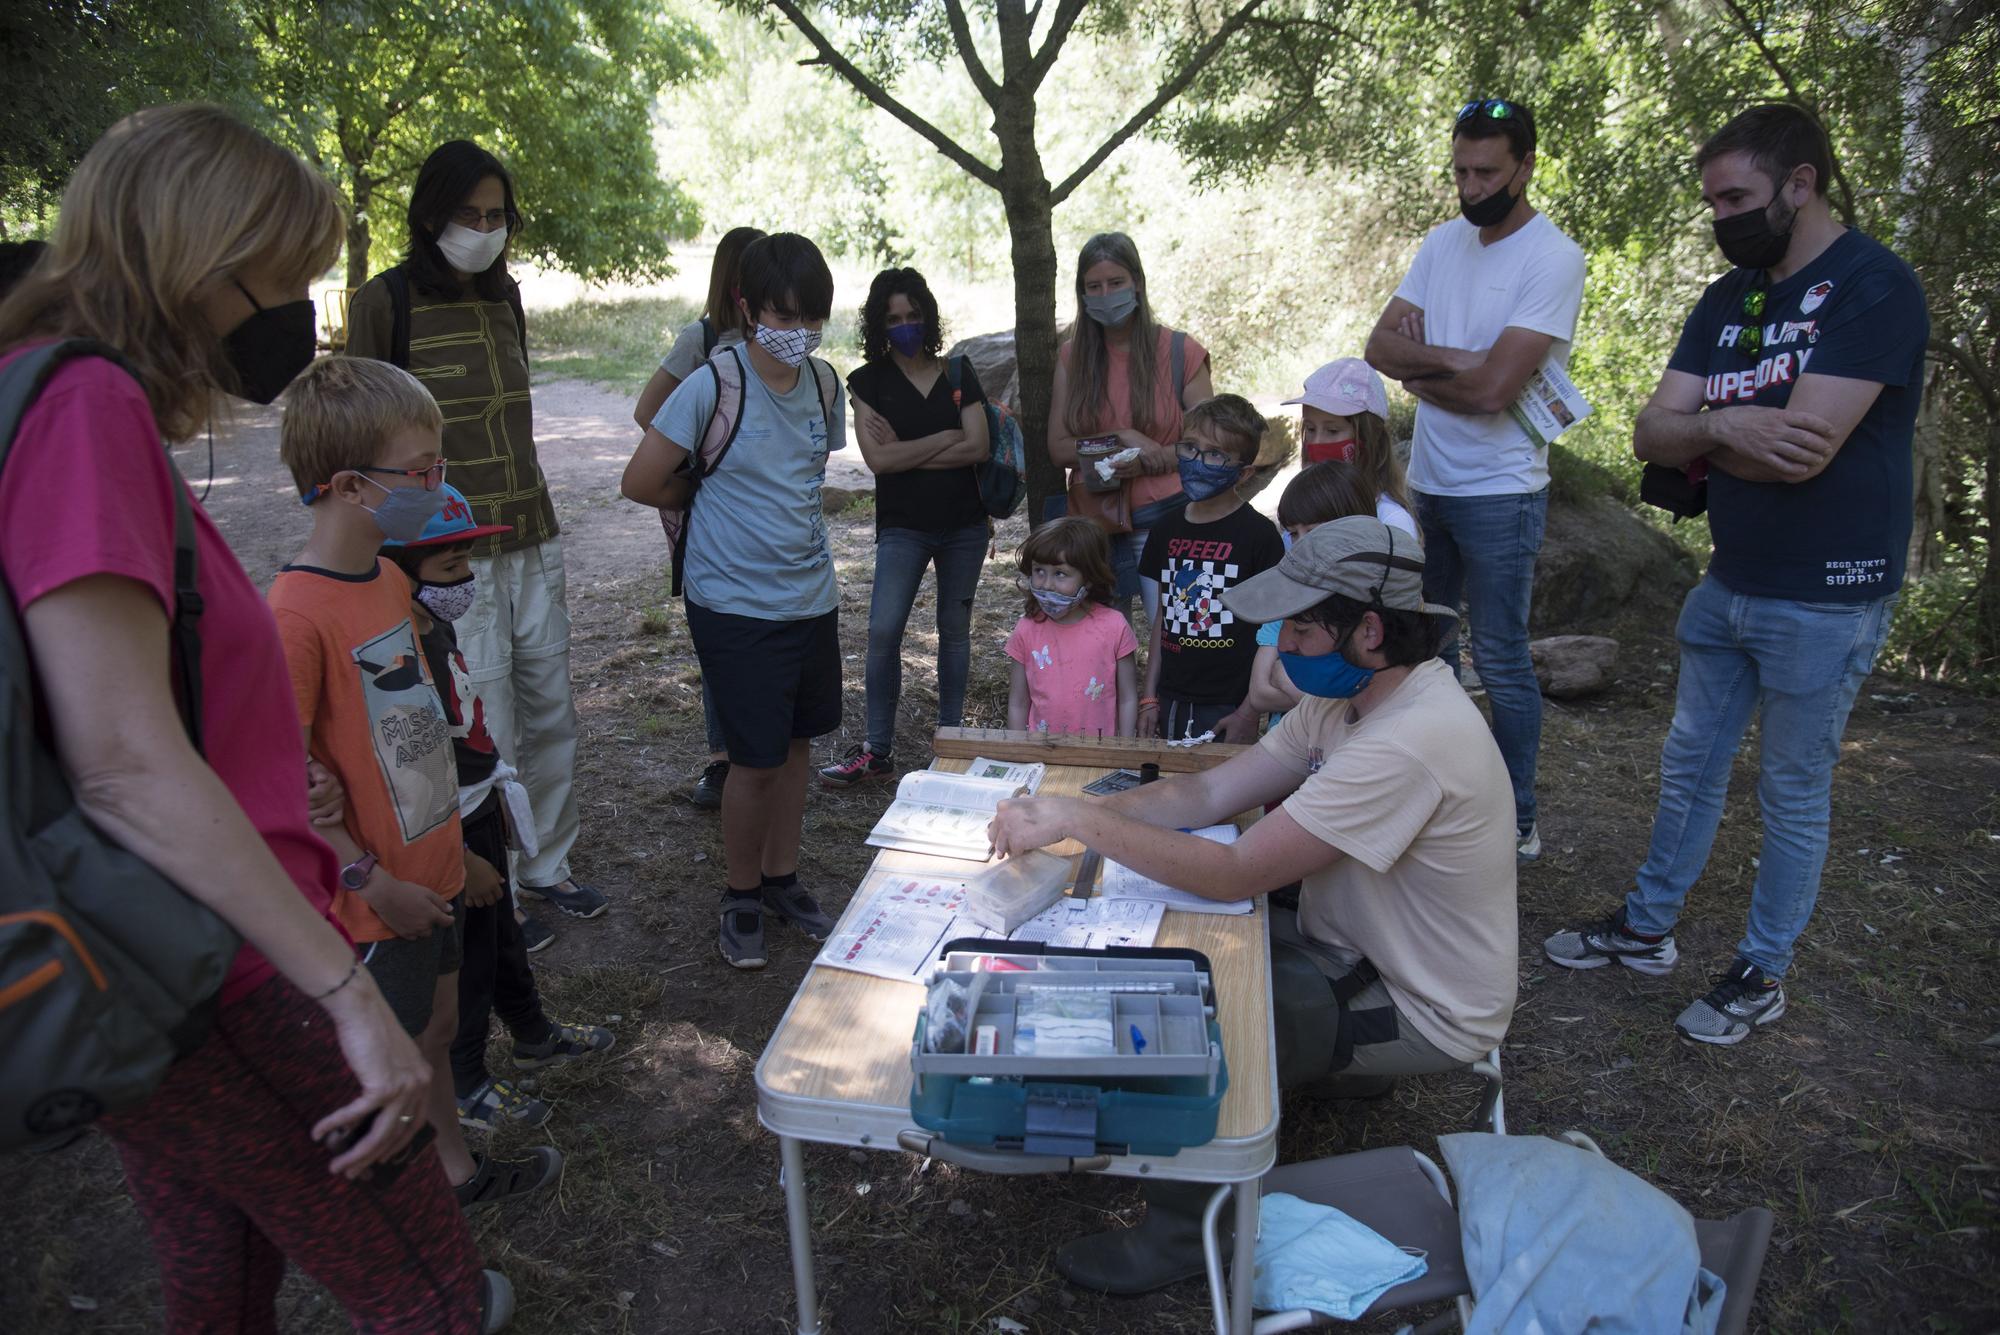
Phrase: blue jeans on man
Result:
[1480,551]
[1796,666]
[901,556]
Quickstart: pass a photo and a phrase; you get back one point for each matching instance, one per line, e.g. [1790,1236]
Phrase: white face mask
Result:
[789,346]
[471,252]
[448,602]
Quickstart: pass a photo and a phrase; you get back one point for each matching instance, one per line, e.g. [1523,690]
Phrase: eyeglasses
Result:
[471,217]
[1493,108]
[1750,338]
[432,477]
[1209,455]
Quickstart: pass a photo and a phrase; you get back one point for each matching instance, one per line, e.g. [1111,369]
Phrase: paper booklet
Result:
[945,814]
[907,916]
[1550,404]
[1025,773]
[1121,882]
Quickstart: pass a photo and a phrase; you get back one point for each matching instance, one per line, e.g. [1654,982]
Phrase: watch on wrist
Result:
[356,873]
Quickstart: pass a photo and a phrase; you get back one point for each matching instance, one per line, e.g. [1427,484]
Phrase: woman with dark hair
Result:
[186,242]
[921,435]
[721,324]
[450,313]
[1115,378]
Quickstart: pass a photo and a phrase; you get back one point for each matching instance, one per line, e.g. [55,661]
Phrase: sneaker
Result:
[566,1042]
[579,901]
[1596,944]
[741,939]
[534,936]
[499,1103]
[1528,844]
[860,765]
[1743,998]
[496,1302]
[494,1180]
[707,793]
[798,908]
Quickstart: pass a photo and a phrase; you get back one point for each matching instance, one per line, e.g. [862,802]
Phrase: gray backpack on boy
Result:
[109,973]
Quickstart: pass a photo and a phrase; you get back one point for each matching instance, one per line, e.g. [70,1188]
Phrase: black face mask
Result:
[1489,211]
[268,350]
[1749,240]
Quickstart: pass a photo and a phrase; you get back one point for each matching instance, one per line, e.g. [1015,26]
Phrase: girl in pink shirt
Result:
[1074,657]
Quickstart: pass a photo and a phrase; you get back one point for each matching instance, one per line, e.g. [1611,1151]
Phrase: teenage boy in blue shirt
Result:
[762,601]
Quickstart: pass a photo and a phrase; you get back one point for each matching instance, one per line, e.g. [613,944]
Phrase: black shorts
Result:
[770,682]
[406,972]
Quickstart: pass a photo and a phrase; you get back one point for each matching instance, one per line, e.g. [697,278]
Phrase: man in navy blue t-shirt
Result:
[1794,392]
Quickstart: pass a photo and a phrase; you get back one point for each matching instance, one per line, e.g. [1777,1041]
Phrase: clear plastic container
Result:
[1014,890]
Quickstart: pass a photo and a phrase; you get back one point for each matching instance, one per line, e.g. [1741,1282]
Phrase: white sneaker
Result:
[1528,844]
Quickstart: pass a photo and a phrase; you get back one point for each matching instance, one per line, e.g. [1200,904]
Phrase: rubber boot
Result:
[1163,1248]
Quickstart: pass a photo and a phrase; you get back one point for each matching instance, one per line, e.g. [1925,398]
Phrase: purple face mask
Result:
[907,339]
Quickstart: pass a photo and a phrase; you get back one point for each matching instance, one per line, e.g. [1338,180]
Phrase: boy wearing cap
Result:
[1395,817]
[363,441]
[495,814]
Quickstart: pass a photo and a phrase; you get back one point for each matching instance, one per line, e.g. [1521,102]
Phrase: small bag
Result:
[1674,490]
[1112,510]
[1003,478]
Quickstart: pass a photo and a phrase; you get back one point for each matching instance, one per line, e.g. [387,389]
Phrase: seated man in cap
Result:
[1397,818]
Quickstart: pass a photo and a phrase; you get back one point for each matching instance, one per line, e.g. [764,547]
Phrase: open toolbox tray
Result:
[1159,1090]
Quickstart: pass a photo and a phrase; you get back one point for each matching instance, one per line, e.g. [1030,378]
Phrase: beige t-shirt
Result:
[1418,799]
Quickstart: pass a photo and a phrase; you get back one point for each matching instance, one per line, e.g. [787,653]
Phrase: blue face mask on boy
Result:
[1329,676]
[1201,481]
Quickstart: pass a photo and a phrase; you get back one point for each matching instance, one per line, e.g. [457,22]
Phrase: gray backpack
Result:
[109,973]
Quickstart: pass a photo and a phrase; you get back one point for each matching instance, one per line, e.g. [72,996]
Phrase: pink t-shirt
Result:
[1073,670]
[83,493]
[1167,410]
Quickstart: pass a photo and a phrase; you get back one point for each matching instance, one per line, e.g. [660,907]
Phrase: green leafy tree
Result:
[562,90]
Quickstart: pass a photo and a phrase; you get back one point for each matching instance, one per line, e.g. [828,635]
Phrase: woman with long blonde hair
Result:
[1115,378]
[186,242]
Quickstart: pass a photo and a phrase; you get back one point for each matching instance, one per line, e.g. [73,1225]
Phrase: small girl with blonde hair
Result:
[1074,668]
[1344,418]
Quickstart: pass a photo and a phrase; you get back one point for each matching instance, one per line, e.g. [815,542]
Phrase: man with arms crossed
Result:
[1490,297]
[1794,389]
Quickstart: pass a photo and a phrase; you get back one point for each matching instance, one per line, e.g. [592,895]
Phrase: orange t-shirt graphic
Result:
[365,692]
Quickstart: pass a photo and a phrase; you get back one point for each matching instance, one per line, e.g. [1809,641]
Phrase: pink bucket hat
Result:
[1344,388]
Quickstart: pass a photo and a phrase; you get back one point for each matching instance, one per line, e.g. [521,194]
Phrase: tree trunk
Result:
[1024,189]
[1989,585]
[1927,468]
[357,235]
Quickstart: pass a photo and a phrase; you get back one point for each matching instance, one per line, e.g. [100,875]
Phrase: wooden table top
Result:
[846,1038]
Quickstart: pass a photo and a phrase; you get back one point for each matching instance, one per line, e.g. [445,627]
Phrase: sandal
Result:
[494,1180]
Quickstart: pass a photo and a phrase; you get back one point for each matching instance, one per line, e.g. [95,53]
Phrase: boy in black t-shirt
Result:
[1198,671]
[495,974]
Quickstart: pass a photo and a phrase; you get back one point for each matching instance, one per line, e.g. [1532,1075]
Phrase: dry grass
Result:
[1865,1120]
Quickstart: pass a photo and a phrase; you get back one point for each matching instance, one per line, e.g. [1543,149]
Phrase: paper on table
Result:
[1100,923]
[1121,882]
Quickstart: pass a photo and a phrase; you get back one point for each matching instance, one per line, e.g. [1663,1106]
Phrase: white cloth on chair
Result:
[1317,1257]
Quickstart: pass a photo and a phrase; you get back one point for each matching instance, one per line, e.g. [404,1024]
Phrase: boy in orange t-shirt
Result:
[363,441]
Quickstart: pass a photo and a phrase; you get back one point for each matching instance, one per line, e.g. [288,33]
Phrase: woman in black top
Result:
[921,438]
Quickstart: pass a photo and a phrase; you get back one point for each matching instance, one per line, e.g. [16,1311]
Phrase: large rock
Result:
[1571,666]
[992,358]
[1599,560]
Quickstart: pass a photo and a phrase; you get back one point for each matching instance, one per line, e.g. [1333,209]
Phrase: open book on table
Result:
[944,814]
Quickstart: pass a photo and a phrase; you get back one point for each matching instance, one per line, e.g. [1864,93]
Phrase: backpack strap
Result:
[828,386]
[725,419]
[20,385]
[954,368]
[709,336]
[520,316]
[397,280]
[1177,361]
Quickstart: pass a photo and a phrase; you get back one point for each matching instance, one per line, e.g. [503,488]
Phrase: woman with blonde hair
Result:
[1115,378]
[186,243]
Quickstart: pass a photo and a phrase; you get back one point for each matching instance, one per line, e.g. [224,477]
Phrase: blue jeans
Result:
[901,554]
[1481,550]
[1797,666]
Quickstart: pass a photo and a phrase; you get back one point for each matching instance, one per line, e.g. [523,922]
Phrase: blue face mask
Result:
[1329,676]
[405,511]
[1201,481]
[907,339]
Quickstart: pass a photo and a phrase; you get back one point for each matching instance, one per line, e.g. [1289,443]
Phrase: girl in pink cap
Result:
[1344,415]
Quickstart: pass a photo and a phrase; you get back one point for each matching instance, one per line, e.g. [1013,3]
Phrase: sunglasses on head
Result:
[1493,108]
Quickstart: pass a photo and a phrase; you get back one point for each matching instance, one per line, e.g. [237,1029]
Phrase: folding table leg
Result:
[798,1224]
[1244,1269]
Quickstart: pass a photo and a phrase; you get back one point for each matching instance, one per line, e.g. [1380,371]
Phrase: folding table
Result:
[837,1070]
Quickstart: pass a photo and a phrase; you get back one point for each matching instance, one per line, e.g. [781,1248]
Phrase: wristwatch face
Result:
[355,874]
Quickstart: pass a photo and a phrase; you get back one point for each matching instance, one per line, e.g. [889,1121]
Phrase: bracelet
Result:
[1145,700]
[352,969]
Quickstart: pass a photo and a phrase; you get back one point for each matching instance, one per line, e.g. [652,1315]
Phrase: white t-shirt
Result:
[1469,293]
[1396,516]
[686,356]
[1417,798]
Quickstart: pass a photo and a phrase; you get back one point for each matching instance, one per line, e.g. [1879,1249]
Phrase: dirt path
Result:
[1866,1120]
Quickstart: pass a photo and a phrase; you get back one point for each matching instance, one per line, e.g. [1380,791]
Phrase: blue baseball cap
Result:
[453,523]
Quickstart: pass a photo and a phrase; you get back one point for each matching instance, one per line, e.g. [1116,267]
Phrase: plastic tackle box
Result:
[1055,1051]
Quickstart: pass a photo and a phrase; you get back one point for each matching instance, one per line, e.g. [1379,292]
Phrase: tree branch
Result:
[1983,385]
[829,56]
[1750,30]
[1066,15]
[1168,91]
[961,36]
